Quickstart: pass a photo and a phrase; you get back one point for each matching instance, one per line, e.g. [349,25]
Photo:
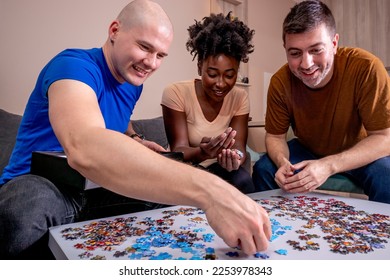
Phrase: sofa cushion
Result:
[341,183]
[9,125]
[153,129]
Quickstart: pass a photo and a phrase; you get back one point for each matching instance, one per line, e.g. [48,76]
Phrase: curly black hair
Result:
[217,34]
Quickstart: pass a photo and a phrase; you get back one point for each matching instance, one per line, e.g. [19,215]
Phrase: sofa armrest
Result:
[9,125]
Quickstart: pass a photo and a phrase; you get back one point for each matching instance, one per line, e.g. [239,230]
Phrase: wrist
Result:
[281,161]
[202,155]
[239,153]
[331,164]
[138,135]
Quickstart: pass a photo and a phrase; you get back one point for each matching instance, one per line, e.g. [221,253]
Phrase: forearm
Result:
[277,149]
[366,151]
[130,169]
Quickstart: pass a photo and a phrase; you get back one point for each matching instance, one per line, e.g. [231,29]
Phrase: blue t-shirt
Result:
[116,102]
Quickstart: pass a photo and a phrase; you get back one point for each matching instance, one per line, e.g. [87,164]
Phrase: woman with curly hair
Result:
[207,118]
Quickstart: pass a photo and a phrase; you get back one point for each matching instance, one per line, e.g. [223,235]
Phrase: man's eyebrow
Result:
[293,49]
[312,46]
[145,43]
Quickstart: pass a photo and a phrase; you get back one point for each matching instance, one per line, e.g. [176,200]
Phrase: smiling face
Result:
[219,75]
[133,54]
[310,55]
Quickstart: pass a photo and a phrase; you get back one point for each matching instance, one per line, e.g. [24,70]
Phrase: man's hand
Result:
[240,222]
[302,177]
[284,172]
[153,146]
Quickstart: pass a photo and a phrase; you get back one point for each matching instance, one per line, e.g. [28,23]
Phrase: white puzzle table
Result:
[305,227]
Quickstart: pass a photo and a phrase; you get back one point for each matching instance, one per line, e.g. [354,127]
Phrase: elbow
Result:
[77,161]
[77,157]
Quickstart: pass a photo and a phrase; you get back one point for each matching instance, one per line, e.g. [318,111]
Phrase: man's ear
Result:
[335,42]
[113,30]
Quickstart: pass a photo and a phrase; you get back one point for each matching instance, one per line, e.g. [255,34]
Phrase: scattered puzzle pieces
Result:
[345,229]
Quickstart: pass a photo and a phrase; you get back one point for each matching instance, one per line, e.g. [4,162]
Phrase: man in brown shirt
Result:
[337,101]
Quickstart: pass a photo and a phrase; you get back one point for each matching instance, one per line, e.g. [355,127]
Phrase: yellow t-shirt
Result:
[181,96]
[334,118]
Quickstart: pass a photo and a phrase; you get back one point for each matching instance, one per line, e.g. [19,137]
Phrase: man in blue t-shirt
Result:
[82,104]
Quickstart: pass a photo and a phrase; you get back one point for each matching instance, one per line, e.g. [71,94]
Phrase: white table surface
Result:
[342,216]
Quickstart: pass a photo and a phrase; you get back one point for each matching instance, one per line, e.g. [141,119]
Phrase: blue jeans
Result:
[374,178]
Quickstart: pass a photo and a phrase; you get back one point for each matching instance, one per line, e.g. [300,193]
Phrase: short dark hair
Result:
[306,16]
[217,34]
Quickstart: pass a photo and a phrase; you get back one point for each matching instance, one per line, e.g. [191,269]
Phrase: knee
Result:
[30,192]
[25,200]
[29,205]
[29,198]
[375,180]
[263,174]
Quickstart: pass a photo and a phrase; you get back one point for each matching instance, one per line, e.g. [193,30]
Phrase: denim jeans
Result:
[374,178]
[30,205]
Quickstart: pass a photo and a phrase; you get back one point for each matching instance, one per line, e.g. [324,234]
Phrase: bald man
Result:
[82,104]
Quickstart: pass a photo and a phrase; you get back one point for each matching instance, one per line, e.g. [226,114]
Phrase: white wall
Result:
[178,65]
[266,18]
[33,31]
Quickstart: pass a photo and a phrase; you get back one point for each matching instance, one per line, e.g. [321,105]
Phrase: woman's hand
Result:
[230,159]
[212,146]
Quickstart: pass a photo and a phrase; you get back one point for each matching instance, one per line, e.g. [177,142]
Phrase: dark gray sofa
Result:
[9,124]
